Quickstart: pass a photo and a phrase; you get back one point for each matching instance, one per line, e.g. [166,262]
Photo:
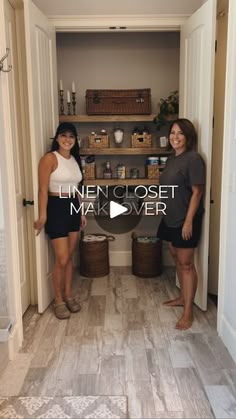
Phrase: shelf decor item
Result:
[98,140]
[169,109]
[141,140]
[146,256]
[68,103]
[120,171]
[152,167]
[89,171]
[152,171]
[107,172]
[62,109]
[74,102]
[118,135]
[118,102]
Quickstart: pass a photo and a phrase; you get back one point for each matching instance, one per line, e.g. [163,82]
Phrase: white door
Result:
[20,169]
[197,46]
[43,113]
[227,260]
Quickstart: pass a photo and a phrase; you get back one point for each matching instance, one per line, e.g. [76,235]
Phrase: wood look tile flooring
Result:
[123,342]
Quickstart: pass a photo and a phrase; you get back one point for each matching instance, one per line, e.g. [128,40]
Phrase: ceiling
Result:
[121,7]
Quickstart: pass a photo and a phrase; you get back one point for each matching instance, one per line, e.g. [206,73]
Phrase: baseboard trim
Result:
[14,342]
[4,355]
[228,336]
[120,258]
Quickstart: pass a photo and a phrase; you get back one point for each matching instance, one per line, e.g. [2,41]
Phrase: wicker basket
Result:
[141,141]
[98,141]
[94,256]
[146,258]
[118,102]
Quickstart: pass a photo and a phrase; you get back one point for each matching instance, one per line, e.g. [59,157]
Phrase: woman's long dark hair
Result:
[75,151]
[189,132]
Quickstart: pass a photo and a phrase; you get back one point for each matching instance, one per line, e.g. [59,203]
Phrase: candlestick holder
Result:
[61,92]
[74,103]
[68,105]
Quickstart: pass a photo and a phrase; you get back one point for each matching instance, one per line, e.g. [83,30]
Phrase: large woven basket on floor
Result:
[94,256]
[146,257]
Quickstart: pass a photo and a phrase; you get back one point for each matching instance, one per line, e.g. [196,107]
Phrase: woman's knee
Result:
[186,266]
[63,260]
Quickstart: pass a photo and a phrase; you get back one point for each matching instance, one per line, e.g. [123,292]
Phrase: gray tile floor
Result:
[123,342]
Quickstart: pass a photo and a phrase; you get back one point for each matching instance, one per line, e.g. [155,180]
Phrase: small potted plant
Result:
[169,109]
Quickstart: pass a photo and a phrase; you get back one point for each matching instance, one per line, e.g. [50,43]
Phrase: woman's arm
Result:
[46,167]
[83,217]
[197,191]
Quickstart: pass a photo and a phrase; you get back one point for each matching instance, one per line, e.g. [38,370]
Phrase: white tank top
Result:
[66,176]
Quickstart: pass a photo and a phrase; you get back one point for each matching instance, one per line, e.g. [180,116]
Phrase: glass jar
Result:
[107,173]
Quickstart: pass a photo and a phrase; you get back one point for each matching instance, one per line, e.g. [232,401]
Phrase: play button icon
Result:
[116,213]
[116,209]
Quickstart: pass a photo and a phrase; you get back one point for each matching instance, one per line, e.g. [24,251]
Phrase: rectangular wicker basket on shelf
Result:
[118,102]
[98,141]
[141,140]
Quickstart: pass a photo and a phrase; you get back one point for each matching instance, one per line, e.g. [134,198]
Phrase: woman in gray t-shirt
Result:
[181,226]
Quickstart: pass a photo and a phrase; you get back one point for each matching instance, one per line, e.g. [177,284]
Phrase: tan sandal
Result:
[61,311]
[73,305]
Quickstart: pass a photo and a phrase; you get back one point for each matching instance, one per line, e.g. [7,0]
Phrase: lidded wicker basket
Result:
[94,255]
[146,257]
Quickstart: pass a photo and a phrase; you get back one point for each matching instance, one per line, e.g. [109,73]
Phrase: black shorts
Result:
[61,218]
[174,234]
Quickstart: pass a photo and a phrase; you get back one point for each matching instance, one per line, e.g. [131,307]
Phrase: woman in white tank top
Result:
[59,172]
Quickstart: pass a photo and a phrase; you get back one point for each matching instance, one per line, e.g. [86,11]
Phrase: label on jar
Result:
[120,171]
[163,141]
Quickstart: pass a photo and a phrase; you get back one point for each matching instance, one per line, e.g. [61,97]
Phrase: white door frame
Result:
[118,23]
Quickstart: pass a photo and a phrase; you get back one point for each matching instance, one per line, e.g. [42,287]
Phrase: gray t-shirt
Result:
[184,170]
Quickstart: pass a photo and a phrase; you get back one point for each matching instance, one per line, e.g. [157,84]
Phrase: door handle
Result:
[25,202]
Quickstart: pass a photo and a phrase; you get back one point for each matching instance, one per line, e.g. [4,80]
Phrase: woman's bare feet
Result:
[174,303]
[185,322]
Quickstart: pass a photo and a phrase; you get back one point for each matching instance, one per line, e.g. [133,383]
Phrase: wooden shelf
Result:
[114,182]
[122,151]
[106,118]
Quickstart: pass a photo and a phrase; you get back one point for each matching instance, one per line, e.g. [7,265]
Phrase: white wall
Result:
[3,247]
[93,7]
[1,204]
[119,60]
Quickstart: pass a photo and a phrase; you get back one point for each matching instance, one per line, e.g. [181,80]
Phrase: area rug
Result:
[94,407]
